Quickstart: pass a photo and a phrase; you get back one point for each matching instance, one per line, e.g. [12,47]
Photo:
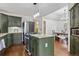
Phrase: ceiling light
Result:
[36,11]
[36,15]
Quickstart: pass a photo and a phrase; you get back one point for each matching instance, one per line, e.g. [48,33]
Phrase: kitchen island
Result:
[42,45]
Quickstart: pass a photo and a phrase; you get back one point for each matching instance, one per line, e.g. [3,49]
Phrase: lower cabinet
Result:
[42,46]
[77,46]
[8,40]
[17,38]
[11,39]
[74,45]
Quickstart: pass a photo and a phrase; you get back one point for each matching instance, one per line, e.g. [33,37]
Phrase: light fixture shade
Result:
[36,15]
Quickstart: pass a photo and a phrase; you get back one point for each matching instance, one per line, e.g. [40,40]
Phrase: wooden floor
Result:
[59,50]
[15,50]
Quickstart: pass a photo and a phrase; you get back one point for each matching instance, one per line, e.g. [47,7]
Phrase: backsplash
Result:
[14,30]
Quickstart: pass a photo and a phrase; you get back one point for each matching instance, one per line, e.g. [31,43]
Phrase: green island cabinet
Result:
[43,46]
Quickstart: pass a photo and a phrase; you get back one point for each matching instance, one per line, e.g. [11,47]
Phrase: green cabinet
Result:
[74,16]
[42,46]
[8,40]
[3,23]
[17,38]
[5,40]
[12,38]
[8,21]
[71,18]
[74,24]
[77,46]
[72,45]
[14,21]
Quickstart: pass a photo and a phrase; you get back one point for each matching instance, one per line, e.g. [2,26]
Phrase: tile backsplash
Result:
[14,29]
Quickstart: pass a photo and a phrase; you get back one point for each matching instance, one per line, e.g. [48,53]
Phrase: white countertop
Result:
[3,34]
[41,35]
[35,35]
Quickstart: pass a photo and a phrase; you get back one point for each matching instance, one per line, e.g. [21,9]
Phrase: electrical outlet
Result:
[46,44]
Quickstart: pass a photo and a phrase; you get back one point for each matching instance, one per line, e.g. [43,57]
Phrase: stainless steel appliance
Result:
[75,31]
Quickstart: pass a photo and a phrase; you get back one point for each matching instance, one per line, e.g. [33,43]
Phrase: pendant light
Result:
[36,13]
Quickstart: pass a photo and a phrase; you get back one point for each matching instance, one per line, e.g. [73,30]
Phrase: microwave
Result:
[75,31]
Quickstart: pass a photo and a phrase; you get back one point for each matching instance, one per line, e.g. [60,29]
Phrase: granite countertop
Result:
[41,35]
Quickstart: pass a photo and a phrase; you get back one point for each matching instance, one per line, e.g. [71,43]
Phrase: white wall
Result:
[69,7]
[50,25]
[54,25]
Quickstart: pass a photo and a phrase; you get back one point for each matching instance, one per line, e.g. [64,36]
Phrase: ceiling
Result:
[26,9]
[60,14]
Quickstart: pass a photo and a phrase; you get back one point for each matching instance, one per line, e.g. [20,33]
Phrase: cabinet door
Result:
[10,21]
[4,21]
[0,23]
[6,41]
[10,39]
[76,15]
[34,46]
[46,46]
[72,45]
[71,18]
[17,21]
[77,46]
[17,38]
[14,21]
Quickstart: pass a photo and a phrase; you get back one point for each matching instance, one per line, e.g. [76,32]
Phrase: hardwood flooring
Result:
[59,50]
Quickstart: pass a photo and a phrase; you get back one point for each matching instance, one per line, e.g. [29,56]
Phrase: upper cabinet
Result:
[14,21]
[74,16]
[3,23]
[71,18]
[8,21]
